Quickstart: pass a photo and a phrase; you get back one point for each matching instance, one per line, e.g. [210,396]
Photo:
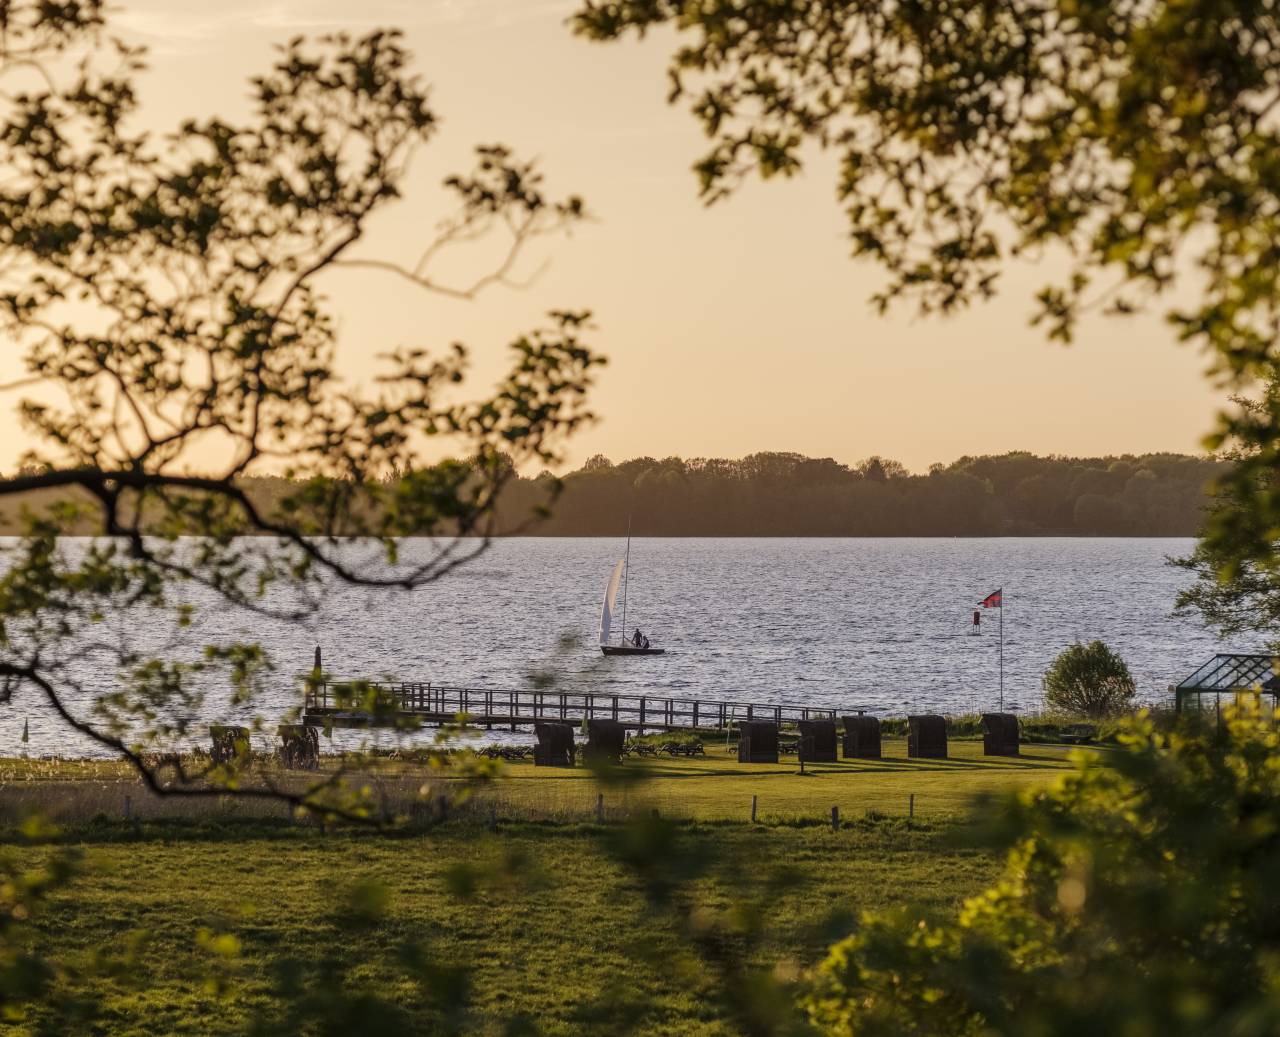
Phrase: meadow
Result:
[510,912]
[714,787]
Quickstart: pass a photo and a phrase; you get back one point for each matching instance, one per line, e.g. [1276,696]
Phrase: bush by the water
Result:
[1089,680]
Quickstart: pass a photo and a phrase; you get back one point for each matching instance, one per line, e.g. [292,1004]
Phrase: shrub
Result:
[1089,680]
[1138,897]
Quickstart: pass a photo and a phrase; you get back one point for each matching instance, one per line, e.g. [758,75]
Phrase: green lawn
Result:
[565,936]
[717,787]
[539,917]
[714,787]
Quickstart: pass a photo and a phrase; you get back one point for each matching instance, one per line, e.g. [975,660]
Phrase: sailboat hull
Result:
[627,650]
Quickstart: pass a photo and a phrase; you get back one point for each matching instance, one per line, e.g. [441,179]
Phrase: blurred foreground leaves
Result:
[161,296]
[1139,898]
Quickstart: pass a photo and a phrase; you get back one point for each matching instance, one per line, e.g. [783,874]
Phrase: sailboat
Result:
[607,610]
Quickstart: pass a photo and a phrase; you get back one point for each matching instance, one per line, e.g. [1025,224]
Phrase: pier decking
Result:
[373,704]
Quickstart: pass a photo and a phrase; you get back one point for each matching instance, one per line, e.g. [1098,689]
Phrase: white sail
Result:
[610,601]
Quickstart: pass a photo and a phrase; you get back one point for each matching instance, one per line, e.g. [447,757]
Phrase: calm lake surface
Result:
[879,624]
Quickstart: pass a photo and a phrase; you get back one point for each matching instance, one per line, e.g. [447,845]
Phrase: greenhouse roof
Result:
[1235,673]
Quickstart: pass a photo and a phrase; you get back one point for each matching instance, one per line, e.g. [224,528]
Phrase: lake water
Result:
[878,624]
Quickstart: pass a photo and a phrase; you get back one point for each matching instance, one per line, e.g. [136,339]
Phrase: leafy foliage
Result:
[1139,136]
[1231,596]
[164,294]
[1137,898]
[1089,680]
[26,975]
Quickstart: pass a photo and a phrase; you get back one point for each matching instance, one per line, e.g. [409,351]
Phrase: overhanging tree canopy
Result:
[1139,136]
[163,294]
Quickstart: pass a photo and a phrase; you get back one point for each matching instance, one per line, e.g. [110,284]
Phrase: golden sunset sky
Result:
[741,328]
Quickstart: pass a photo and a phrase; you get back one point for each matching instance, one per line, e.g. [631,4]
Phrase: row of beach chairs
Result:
[299,745]
[758,740]
[607,740]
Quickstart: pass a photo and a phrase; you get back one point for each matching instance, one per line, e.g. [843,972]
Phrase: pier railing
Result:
[444,703]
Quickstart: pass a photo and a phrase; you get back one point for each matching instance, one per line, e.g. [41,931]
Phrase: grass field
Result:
[533,919]
[711,788]
[566,937]
[717,787]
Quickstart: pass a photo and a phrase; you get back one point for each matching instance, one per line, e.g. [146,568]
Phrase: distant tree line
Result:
[781,494]
[784,494]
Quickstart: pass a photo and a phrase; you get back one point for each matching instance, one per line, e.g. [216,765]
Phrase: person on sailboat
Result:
[638,639]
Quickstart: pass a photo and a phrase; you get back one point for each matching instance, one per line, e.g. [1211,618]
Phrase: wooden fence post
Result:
[600,808]
[753,809]
[911,806]
[835,819]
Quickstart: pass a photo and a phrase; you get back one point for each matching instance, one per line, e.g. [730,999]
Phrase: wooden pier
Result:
[374,704]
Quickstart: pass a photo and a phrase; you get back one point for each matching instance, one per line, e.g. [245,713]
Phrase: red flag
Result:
[993,600]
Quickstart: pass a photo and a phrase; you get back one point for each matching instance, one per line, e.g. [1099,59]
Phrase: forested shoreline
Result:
[782,494]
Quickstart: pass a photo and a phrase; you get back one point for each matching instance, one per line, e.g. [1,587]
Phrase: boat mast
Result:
[626,579]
